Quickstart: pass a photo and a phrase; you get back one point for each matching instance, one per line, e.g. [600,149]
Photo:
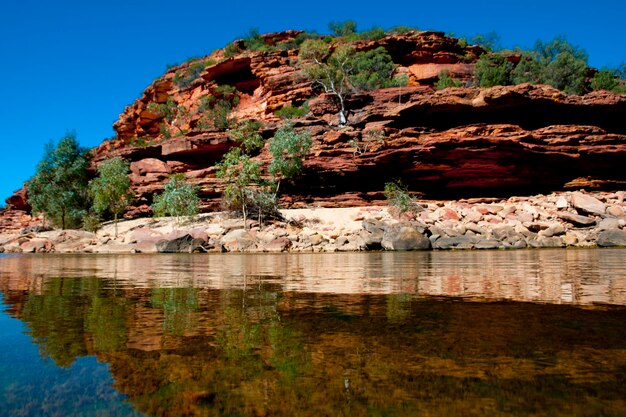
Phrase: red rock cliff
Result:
[457,142]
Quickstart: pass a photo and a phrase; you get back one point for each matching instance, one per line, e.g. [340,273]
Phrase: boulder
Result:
[487,244]
[587,203]
[280,244]
[239,240]
[403,236]
[182,244]
[610,238]
[457,242]
[576,219]
[608,224]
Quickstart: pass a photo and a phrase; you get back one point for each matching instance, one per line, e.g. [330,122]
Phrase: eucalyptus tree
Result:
[111,190]
[59,187]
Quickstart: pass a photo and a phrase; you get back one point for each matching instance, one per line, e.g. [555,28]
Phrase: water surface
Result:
[435,333]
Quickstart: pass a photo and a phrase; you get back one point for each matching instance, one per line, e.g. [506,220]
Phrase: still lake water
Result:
[539,332]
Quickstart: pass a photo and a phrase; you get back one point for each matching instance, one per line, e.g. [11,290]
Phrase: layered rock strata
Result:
[455,143]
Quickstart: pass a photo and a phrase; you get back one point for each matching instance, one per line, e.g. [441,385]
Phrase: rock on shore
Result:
[571,219]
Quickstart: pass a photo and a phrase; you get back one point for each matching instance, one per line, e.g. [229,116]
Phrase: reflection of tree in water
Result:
[262,352]
[178,305]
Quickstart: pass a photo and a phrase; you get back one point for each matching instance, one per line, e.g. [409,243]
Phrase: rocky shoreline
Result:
[570,219]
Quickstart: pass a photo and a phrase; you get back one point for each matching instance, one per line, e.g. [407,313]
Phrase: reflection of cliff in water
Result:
[255,349]
[577,276]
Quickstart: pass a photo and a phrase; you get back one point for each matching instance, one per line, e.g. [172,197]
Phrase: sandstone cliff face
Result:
[457,142]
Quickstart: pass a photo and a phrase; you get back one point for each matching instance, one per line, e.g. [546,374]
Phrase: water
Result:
[381,334]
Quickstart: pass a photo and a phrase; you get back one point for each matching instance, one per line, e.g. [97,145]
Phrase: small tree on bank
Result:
[110,190]
[178,199]
[288,148]
[59,187]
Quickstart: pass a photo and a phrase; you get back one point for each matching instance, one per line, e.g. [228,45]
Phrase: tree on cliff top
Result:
[59,187]
[344,70]
[111,188]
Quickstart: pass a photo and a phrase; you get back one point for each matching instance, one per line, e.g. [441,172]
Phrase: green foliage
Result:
[254,42]
[91,221]
[527,70]
[489,41]
[247,133]
[218,106]
[399,197]
[111,190]
[604,80]
[243,180]
[340,29]
[141,141]
[231,50]
[445,81]
[184,78]
[172,113]
[374,34]
[288,148]
[566,72]
[59,186]
[493,69]
[292,112]
[346,71]
[402,30]
[179,198]
[298,40]
[372,69]
[556,63]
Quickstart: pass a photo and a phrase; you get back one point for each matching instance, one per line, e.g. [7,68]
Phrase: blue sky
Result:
[75,65]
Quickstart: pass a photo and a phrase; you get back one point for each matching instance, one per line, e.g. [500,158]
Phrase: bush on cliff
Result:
[445,81]
[557,63]
[59,187]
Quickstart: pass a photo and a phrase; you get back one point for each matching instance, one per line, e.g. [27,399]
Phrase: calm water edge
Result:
[499,333]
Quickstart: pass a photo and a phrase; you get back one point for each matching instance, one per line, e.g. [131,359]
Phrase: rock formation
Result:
[455,143]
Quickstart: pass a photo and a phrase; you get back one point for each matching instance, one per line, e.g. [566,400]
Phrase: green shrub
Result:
[298,40]
[489,41]
[231,50]
[402,30]
[141,141]
[247,134]
[493,69]
[178,199]
[218,106]
[398,197]
[91,222]
[288,148]
[184,78]
[604,80]
[374,34]
[292,112]
[253,41]
[341,29]
[445,81]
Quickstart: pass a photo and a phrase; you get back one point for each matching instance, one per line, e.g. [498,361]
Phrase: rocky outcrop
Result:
[548,221]
[455,143]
